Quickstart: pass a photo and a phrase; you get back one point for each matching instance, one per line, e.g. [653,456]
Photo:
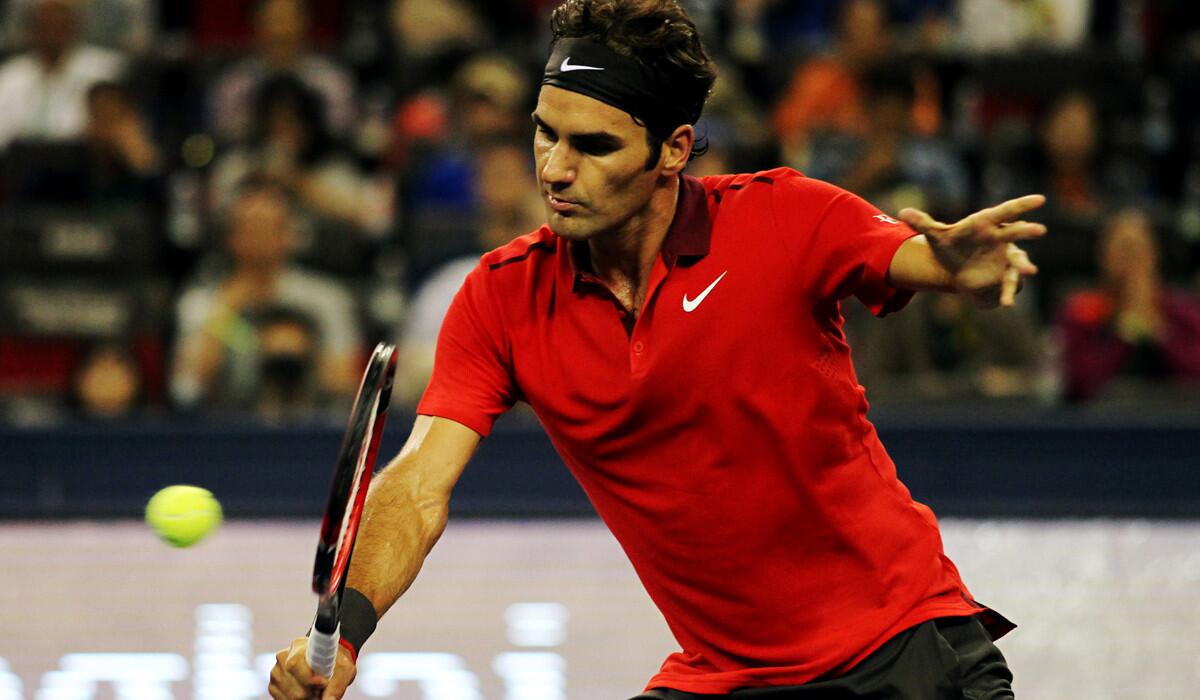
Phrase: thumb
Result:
[916,218]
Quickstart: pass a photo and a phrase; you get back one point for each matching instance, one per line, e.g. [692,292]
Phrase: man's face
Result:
[591,164]
[1070,135]
[281,24]
[53,27]
[260,229]
[864,32]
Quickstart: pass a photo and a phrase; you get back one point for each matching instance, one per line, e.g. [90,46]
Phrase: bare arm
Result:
[407,508]
[404,516]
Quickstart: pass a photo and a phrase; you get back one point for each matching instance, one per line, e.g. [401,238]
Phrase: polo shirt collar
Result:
[687,239]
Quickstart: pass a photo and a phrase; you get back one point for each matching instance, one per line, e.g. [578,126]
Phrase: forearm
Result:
[406,509]
[399,529]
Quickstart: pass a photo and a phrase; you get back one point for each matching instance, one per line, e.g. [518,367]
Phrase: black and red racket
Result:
[347,493]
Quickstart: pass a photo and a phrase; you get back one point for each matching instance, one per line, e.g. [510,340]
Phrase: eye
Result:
[596,146]
[546,134]
[597,149]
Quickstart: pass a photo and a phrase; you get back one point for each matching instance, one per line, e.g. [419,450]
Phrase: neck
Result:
[52,60]
[623,259]
[263,272]
[281,55]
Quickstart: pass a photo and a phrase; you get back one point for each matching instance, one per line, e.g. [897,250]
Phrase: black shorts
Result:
[950,658]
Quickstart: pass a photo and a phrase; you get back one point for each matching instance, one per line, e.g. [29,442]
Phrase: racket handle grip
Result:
[322,651]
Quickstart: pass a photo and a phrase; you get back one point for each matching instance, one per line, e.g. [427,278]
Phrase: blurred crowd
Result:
[215,207]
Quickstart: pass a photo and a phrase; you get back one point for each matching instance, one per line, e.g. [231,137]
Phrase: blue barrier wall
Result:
[983,461]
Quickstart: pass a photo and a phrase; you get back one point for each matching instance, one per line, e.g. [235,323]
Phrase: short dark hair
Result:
[260,182]
[290,92]
[657,33]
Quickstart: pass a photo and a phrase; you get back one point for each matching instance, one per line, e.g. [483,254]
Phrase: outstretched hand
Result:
[980,252]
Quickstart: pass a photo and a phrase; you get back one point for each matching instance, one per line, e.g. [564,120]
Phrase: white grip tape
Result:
[322,651]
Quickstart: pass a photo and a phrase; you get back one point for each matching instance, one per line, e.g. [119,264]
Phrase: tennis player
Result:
[681,342]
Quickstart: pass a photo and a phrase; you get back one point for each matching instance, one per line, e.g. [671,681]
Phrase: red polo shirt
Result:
[723,436]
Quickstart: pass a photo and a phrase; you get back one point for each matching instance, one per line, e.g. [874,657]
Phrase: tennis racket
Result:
[347,493]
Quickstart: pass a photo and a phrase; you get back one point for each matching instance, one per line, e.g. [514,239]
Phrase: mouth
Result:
[559,204]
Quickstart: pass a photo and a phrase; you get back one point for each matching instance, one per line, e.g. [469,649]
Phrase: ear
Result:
[677,149]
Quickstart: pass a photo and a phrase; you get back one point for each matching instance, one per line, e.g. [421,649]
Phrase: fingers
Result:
[1018,231]
[1019,259]
[285,686]
[291,678]
[343,675]
[1019,265]
[1013,208]
[1008,287]
[919,220]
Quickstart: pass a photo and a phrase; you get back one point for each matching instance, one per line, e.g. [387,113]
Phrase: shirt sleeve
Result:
[843,244]
[472,381]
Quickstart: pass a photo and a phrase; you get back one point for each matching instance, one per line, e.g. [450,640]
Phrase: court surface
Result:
[541,611]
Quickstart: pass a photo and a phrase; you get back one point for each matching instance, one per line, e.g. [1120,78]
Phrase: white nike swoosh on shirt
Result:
[567,66]
[689,305]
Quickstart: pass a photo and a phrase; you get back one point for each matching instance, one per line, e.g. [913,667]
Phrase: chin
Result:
[569,228]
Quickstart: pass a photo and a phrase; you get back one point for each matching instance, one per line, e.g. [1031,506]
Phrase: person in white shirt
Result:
[220,348]
[44,89]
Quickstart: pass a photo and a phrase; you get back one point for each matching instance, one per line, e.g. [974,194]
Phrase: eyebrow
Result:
[587,140]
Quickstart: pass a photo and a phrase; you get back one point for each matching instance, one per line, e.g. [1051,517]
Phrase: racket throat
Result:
[326,621]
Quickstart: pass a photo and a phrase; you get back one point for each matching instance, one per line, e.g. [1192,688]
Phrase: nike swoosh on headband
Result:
[567,67]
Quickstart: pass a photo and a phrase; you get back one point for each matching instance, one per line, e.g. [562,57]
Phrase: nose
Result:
[559,168]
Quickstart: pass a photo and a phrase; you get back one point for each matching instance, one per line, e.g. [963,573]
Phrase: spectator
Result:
[488,100]
[1070,140]
[125,159]
[828,91]
[116,162]
[1071,167]
[1069,163]
[487,96]
[44,89]
[431,40]
[1132,325]
[282,47]
[509,207]
[890,164]
[107,383]
[290,140]
[217,358]
[288,342]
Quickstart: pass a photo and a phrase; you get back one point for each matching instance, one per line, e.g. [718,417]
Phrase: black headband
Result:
[591,68]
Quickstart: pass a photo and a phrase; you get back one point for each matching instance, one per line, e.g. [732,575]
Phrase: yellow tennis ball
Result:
[183,515]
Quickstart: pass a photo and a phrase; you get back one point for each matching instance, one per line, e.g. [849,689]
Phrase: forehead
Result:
[573,113]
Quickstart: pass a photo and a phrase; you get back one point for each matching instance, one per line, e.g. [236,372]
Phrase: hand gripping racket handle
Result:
[322,651]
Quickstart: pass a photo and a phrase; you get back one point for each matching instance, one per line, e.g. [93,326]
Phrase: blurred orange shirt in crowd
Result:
[825,93]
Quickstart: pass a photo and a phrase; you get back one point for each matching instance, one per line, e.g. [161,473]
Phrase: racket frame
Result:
[352,474]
